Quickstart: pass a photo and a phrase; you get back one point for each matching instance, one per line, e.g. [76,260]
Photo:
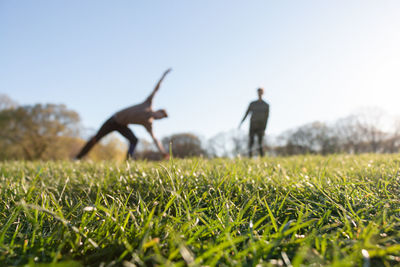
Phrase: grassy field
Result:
[313,211]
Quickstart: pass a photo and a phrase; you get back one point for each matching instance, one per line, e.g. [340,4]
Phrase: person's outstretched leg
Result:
[128,134]
[105,129]
[251,142]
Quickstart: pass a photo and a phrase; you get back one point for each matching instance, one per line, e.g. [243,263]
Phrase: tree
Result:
[392,142]
[184,145]
[349,135]
[218,146]
[34,132]
[312,138]
[240,143]
[231,143]
[362,132]
[370,123]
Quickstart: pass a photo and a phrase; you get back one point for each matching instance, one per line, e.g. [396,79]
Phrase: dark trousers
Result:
[260,136]
[109,126]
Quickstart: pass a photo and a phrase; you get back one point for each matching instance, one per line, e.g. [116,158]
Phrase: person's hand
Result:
[162,78]
[166,72]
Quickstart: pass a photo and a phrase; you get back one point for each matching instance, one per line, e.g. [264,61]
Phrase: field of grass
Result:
[313,211]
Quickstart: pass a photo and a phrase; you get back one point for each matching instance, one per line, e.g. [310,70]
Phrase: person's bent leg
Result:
[105,129]
[128,134]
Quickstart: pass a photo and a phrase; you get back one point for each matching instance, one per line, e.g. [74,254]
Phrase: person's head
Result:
[260,92]
[160,114]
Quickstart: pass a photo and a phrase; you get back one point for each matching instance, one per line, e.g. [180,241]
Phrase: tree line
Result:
[369,130]
[53,132]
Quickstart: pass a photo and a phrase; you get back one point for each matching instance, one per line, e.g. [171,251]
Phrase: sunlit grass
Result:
[339,211]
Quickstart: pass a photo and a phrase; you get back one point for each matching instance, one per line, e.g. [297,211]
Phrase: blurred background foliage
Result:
[54,132]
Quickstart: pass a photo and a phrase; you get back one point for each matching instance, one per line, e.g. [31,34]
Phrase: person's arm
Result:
[245,116]
[156,142]
[150,97]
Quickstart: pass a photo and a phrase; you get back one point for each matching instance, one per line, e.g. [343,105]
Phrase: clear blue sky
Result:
[317,60]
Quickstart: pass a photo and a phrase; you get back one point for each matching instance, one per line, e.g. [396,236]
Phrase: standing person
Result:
[141,114]
[259,110]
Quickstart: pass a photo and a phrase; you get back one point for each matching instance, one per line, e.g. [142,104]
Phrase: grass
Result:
[313,211]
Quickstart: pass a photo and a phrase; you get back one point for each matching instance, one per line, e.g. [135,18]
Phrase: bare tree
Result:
[218,146]
[240,142]
[349,136]
[370,124]
[228,144]
[392,143]
[310,138]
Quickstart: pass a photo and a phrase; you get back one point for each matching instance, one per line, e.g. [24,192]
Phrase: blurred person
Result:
[259,110]
[141,114]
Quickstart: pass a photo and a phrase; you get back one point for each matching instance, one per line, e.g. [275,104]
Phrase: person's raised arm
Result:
[150,97]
